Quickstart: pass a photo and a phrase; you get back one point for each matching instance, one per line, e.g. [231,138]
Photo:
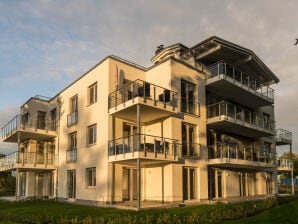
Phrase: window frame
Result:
[92,94]
[90,177]
[91,140]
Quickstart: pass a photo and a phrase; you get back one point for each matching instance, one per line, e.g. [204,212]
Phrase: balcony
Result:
[231,83]
[157,102]
[234,119]
[28,127]
[234,156]
[283,137]
[72,118]
[152,148]
[284,164]
[28,160]
[71,155]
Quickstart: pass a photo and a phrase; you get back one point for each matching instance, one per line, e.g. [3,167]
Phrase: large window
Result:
[91,134]
[92,93]
[187,97]
[91,177]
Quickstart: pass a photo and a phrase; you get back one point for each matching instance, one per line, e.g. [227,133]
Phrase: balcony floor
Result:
[30,133]
[236,164]
[231,125]
[228,88]
[130,159]
[150,111]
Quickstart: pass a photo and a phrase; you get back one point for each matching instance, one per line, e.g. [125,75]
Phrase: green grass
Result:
[55,212]
[285,213]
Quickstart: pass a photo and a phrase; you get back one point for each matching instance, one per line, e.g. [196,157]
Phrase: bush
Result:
[189,214]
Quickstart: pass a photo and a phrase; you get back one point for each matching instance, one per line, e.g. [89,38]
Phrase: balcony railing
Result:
[71,155]
[282,135]
[148,144]
[190,149]
[223,68]
[72,118]
[240,114]
[249,153]
[24,122]
[189,107]
[33,158]
[146,90]
[285,163]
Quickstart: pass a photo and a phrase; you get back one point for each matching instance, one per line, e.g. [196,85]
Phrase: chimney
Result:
[159,49]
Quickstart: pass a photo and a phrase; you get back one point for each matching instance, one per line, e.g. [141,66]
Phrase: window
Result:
[91,134]
[92,94]
[187,97]
[73,140]
[72,118]
[41,120]
[91,177]
[71,153]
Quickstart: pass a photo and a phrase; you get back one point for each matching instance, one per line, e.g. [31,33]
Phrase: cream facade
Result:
[197,125]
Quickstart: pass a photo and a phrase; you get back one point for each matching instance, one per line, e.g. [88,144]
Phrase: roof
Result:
[215,48]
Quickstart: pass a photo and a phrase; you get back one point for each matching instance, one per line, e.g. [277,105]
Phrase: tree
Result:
[7,184]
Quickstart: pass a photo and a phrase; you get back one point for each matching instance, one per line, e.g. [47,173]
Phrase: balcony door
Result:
[187,97]
[71,183]
[189,183]
[39,185]
[129,135]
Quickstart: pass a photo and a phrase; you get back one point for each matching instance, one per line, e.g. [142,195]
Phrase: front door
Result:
[39,185]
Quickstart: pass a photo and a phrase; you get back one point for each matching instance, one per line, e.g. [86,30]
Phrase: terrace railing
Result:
[24,122]
[148,144]
[249,153]
[241,114]
[71,155]
[27,158]
[223,68]
[146,90]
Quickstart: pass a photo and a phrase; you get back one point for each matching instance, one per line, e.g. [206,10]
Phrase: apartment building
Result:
[197,125]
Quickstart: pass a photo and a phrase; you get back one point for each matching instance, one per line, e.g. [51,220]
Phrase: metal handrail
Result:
[141,88]
[223,68]
[147,144]
[241,114]
[22,122]
[248,153]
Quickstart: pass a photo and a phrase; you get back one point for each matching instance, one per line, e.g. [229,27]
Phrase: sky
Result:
[46,44]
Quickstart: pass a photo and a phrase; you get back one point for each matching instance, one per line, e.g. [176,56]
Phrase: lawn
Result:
[55,212]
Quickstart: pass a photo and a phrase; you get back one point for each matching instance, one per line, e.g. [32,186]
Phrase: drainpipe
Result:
[58,144]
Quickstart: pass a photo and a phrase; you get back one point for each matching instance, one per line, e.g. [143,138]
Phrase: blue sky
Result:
[45,45]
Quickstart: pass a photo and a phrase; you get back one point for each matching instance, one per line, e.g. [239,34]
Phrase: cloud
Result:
[55,42]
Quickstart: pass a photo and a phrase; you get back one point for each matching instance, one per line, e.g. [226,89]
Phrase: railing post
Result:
[244,153]
[154,149]
[154,95]
[237,152]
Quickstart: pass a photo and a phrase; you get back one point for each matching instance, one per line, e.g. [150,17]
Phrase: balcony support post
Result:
[17,184]
[138,184]
[138,127]
[162,185]
[292,171]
